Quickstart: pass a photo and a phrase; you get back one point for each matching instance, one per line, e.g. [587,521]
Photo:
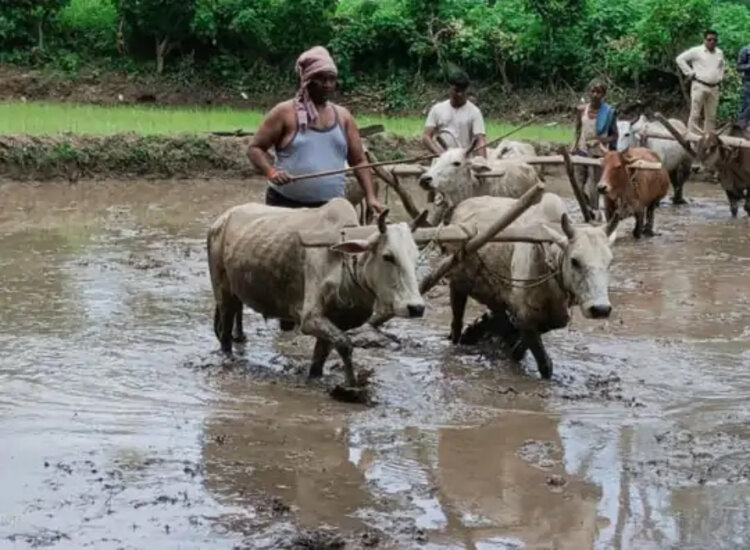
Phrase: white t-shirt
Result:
[463,123]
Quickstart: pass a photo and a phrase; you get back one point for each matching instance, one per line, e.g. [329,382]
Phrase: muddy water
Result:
[122,427]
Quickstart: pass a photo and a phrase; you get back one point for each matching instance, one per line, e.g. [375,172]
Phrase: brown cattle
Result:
[732,165]
[630,191]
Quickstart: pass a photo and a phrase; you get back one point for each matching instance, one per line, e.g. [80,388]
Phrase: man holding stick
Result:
[310,134]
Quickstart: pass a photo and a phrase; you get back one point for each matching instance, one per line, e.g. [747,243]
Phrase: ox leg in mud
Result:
[648,229]
[458,299]
[533,340]
[320,354]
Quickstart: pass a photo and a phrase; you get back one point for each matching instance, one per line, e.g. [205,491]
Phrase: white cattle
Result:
[532,286]
[509,150]
[453,178]
[256,258]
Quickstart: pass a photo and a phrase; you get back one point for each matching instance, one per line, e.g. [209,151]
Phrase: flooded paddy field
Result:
[123,427]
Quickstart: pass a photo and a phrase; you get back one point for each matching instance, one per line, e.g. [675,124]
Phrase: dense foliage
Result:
[516,43]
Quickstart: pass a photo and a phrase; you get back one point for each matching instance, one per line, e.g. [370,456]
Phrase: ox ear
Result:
[354,246]
[567,227]
[557,238]
[382,221]
[479,165]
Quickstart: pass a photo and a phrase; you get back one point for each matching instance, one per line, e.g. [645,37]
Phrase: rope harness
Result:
[514,282]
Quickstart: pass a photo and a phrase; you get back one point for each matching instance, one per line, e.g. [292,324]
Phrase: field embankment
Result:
[43,141]
[73,157]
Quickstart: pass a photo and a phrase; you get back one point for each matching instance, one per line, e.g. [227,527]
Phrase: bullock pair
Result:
[528,287]
[256,258]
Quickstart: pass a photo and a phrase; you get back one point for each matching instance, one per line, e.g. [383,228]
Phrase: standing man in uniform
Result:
[704,67]
[310,134]
[743,67]
[455,121]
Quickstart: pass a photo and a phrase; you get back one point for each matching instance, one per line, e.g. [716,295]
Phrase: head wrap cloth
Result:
[312,62]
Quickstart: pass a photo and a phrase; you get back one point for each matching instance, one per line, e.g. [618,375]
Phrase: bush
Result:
[90,27]
[395,43]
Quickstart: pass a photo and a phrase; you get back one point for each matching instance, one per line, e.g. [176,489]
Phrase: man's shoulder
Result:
[283,107]
[474,109]
[441,106]
[694,50]
[343,113]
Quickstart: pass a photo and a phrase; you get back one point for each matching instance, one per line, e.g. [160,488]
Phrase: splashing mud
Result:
[122,426]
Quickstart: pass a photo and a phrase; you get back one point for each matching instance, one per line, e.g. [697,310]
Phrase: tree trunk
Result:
[683,86]
[40,34]
[162,48]
[502,67]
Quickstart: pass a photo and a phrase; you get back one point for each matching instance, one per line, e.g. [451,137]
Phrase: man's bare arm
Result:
[268,135]
[481,148]
[578,128]
[429,142]
[357,157]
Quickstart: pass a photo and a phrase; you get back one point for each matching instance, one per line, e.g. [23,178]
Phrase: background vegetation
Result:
[394,45]
[53,118]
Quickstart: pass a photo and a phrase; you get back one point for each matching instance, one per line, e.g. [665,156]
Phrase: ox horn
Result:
[612,224]
[419,221]
[472,145]
[382,223]
[567,227]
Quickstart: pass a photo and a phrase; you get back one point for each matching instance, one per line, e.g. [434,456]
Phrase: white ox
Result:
[532,286]
[453,178]
[508,149]
[675,160]
[256,258]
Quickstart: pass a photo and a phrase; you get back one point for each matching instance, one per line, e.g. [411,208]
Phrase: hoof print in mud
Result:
[556,482]
[349,394]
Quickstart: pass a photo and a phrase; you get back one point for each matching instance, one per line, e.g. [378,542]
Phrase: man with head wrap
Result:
[595,134]
[310,134]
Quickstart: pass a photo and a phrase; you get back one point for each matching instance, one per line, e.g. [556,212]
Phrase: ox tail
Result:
[217,322]
[216,230]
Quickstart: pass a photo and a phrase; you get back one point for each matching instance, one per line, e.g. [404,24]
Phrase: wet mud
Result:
[123,427]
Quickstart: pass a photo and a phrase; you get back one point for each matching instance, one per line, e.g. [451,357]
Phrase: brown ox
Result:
[632,192]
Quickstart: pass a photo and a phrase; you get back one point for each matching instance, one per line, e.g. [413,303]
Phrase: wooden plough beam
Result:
[417,170]
[445,234]
[473,244]
[690,137]
[694,138]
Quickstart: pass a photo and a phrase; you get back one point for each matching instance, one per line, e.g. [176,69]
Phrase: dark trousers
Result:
[274,198]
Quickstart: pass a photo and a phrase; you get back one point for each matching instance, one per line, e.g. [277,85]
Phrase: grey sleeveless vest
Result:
[311,151]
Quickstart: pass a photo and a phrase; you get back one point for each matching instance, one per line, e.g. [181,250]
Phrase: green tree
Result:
[667,28]
[166,22]
[24,22]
